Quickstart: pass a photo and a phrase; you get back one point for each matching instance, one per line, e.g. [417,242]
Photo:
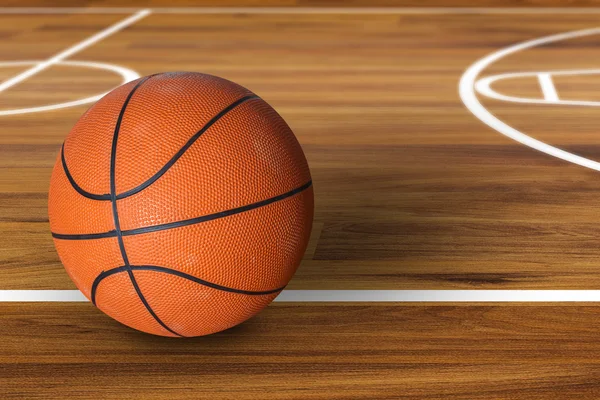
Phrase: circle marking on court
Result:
[126,73]
[61,58]
[468,83]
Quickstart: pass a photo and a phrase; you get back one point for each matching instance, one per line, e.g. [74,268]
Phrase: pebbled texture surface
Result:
[246,154]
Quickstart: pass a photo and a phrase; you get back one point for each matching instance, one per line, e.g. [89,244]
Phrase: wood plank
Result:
[335,351]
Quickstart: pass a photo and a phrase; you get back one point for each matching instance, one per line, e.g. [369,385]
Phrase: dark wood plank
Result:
[334,351]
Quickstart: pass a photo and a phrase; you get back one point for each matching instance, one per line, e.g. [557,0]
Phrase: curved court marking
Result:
[350,296]
[63,55]
[467,94]
[126,73]
[484,87]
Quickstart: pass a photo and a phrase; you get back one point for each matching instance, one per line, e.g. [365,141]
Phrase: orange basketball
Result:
[181,204]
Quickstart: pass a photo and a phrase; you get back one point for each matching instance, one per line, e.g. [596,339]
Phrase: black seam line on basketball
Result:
[221,214]
[74,184]
[146,304]
[185,147]
[167,166]
[87,236]
[101,276]
[113,162]
[106,274]
[186,222]
[79,189]
[113,200]
[125,268]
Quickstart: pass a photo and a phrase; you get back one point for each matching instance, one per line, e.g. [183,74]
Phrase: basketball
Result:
[181,204]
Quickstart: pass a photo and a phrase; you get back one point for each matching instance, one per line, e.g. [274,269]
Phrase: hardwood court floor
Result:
[412,192]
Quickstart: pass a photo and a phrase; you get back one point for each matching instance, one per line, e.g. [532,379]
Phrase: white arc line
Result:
[467,94]
[363,296]
[73,49]
[483,86]
[466,90]
[127,75]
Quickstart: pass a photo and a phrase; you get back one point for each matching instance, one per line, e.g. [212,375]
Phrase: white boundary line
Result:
[303,10]
[73,49]
[345,296]
[439,296]
[467,94]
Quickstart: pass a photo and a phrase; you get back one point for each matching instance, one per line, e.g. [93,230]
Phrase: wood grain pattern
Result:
[335,351]
[412,192]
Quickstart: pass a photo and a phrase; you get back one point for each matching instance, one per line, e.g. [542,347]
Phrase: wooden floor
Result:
[412,192]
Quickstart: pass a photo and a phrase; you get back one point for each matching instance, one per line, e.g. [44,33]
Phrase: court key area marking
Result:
[469,83]
[546,82]
[60,59]
[467,93]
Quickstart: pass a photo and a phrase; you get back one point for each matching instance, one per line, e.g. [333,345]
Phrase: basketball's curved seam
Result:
[78,188]
[165,168]
[113,164]
[185,147]
[186,222]
[106,274]
[210,217]
[113,200]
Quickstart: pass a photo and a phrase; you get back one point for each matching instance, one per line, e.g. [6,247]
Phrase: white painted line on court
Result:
[73,49]
[467,94]
[303,10]
[35,296]
[548,88]
[125,73]
[439,296]
[366,296]
[483,86]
